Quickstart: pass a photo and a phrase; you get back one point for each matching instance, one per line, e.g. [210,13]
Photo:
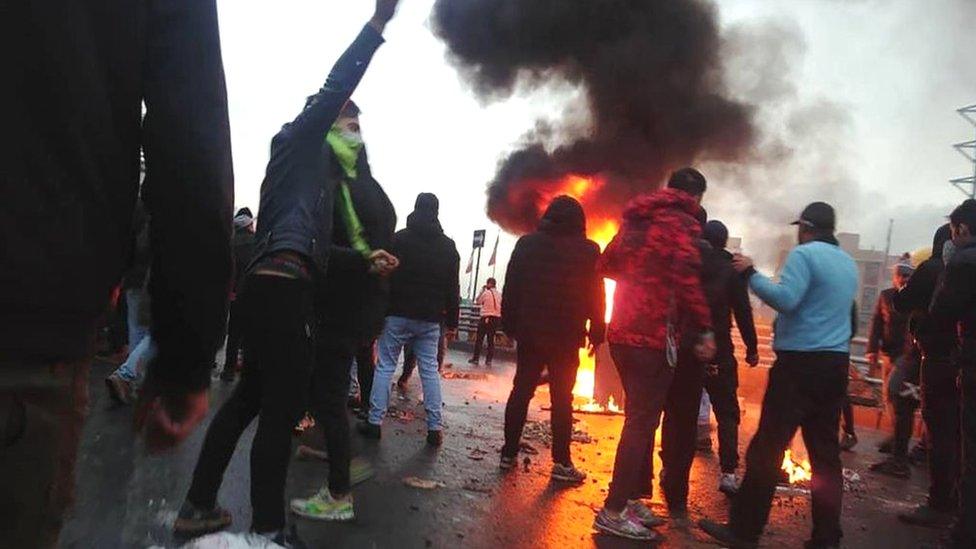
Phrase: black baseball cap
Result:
[818,215]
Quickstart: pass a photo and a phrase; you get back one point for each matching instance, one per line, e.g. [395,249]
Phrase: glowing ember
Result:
[798,472]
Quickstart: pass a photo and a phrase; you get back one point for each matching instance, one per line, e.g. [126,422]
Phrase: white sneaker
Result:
[729,484]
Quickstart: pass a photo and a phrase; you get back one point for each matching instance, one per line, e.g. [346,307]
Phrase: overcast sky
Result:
[893,73]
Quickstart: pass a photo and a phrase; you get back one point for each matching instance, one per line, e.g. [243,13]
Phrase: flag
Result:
[494,253]
[470,263]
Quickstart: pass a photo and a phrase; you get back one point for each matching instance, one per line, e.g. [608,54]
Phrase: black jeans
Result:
[906,370]
[722,391]
[235,336]
[646,378]
[806,390]
[274,383]
[940,410]
[365,368]
[487,327]
[679,433]
[328,402]
[965,531]
[561,359]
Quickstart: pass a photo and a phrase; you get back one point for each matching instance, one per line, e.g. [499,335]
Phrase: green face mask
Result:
[346,146]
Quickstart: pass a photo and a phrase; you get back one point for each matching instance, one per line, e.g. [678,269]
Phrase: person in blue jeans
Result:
[424,293]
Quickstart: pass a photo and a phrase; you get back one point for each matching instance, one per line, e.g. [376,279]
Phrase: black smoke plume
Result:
[653,81]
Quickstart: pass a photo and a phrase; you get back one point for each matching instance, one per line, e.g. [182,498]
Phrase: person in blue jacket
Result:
[807,385]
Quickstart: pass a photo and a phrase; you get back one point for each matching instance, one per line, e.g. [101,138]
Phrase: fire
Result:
[797,471]
[602,232]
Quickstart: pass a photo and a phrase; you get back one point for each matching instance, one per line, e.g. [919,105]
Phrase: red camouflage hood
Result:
[643,207]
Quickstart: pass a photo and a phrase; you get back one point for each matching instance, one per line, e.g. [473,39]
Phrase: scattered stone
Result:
[423,484]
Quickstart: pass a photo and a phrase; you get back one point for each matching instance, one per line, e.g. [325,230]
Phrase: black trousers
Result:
[806,390]
[723,392]
[487,327]
[679,434]
[561,359]
[365,368]
[328,403]
[646,378]
[905,371]
[964,534]
[274,385]
[235,335]
[941,412]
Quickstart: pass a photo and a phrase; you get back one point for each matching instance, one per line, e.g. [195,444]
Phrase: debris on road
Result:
[475,485]
[527,448]
[423,484]
[463,375]
[541,431]
[477,454]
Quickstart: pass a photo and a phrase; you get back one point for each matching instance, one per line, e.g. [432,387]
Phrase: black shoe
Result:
[725,535]
[887,446]
[287,538]
[474,360]
[848,442]
[368,430]
[919,455]
[435,438]
[488,363]
[926,516]
[192,522]
[893,467]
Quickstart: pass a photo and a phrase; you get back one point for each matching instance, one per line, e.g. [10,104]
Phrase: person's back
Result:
[424,287]
[655,262]
[551,287]
[819,283]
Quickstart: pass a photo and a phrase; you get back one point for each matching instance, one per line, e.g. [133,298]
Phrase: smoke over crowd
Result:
[653,80]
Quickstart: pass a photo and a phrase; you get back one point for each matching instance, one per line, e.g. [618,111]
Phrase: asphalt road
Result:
[125,497]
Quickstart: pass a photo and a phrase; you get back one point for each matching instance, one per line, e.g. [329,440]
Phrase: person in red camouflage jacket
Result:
[656,263]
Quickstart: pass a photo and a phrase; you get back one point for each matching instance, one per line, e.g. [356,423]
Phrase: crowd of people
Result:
[322,289]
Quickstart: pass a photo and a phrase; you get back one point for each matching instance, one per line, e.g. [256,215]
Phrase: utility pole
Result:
[479,243]
[884,269]
[968,149]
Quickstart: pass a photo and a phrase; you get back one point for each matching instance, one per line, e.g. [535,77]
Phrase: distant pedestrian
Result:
[489,302]
[244,244]
[424,293]
[889,343]
[554,305]
[808,382]
[658,301]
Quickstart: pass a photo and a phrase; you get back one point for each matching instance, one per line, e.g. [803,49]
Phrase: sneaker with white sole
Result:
[322,506]
[729,484]
[507,463]
[626,525]
[567,473]
[644,514]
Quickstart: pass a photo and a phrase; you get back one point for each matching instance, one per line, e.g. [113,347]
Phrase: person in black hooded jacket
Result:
[424,293]
[955,301]
[935,339]
[552,293]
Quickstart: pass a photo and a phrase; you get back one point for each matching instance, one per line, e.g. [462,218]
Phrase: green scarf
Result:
[345,151]
[348,153]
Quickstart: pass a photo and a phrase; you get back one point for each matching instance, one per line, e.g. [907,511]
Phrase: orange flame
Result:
[797,471]
[602,232]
